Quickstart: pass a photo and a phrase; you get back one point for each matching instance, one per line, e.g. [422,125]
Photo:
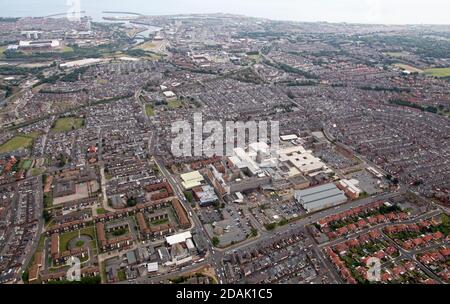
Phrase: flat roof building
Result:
[191,180]
[80,63]
[303,160]
[205,195]
[152,267]
[178,238]
[255,159]
[288,137]
[321,197]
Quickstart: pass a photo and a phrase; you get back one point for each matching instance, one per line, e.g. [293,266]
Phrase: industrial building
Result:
[350,186]
[302,160]
[255,159]
[205,195]
[191,180]
[321,197]
[38,44]
[80,63]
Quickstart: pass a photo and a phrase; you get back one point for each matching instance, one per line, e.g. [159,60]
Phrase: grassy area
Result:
[65,238]
[41,243]
[256,58]
[26,164]
[146,46]
[121,275]
[67,49]
[37,171]
[2,50]
[396,54]
[101,211]
[33,135]
[408,68]
[159,222]
[16,143]
[48,200]
[442,72]
[174,104]
[120,232]
[149,110]
[102,81]
[79,243]
[67,124]
[153,56]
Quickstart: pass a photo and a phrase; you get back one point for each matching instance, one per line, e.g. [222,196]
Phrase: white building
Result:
[258,157]
[301,159]
[169,94]
[191,180]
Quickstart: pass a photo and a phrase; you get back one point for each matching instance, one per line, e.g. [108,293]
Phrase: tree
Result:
[189,196]
[254,232]
[290,94]
[48,200]
[62,160]
[271,226]
[47,216]
[283,222]
[131,201]
[25,276]
[215,241]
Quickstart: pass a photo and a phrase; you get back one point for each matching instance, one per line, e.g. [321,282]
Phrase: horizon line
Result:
[248,16]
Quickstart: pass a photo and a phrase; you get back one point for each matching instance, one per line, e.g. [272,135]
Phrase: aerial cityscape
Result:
[346,182]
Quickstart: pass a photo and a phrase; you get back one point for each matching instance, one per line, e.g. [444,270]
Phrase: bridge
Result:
[64,14]
[122,13]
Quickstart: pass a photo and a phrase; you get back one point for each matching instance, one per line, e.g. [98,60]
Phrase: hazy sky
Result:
[362,11]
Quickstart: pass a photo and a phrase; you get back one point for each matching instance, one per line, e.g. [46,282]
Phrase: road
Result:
[312,219]
[214,257]
[216,254]
[411,255]
[35,242]
[380,227]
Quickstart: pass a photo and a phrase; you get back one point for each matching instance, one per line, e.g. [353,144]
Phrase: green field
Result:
[33,135]
[408,68]
[67,49]
[396,54]
[65,238]
[442,72]
[256,58]
[159,222]
[101,211]
[16,143]
[26,164]
[67,124]
[2,49]
[149,110]
[121,275]
[37,171]
[174,104]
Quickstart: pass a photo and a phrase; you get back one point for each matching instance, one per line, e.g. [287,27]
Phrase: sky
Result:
[353,11]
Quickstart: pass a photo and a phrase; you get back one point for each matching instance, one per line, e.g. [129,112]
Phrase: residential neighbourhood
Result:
[358,170]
